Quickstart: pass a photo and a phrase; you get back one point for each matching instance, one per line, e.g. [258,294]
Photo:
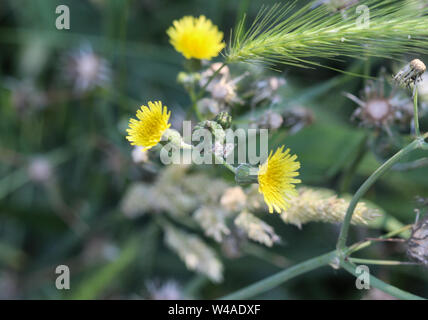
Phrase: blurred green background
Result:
[65,164]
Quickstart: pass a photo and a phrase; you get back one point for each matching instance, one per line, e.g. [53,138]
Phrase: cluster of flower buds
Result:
[265,90]
[293,119]
[216,128]
[223,91]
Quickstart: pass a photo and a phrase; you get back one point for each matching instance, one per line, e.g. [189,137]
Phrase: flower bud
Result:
[172,136]
[224,119]
[246,174]
[214,128]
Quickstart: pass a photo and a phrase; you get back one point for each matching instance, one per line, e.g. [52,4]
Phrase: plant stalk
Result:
[341,243]
[379,284]
[381,262]
[416,112]
[282,276]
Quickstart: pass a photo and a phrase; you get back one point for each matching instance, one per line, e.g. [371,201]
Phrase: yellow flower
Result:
[276,179]
[196,37]
[152,122]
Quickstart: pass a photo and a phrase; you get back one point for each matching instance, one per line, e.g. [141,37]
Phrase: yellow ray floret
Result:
[196,37]
[277,178]
[152,122]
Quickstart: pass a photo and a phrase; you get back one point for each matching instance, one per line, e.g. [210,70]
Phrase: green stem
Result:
[416,115]
[194,100]
[218,159]
[280,277]
[314,263]
[341,243]
[224,163]
[361,245]
[381,262]
[379,284]
[201,92]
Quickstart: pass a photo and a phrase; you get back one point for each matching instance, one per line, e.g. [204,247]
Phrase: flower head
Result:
[196,37]
[152,122]
[276,179]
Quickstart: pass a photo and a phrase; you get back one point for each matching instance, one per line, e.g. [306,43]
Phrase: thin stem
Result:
[381,262]
[317,262]
[218,159]
[416,112]
[194,99]
[280,277]
[379,284]
[341,243]
[224,163]
[201,92]
[361,245]
[420,163]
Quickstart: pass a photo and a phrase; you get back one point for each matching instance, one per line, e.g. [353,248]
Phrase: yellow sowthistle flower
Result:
[276,179]
[152,122]
[196,37]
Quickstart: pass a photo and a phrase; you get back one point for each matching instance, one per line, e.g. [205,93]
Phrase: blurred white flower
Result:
[25,97]
[86,70]
[40,169]
[169,290]
[139,155]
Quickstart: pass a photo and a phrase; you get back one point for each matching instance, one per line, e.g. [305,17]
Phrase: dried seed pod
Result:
[417,245]
[381,106]
[297,118]
[270,120]
[410,73]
